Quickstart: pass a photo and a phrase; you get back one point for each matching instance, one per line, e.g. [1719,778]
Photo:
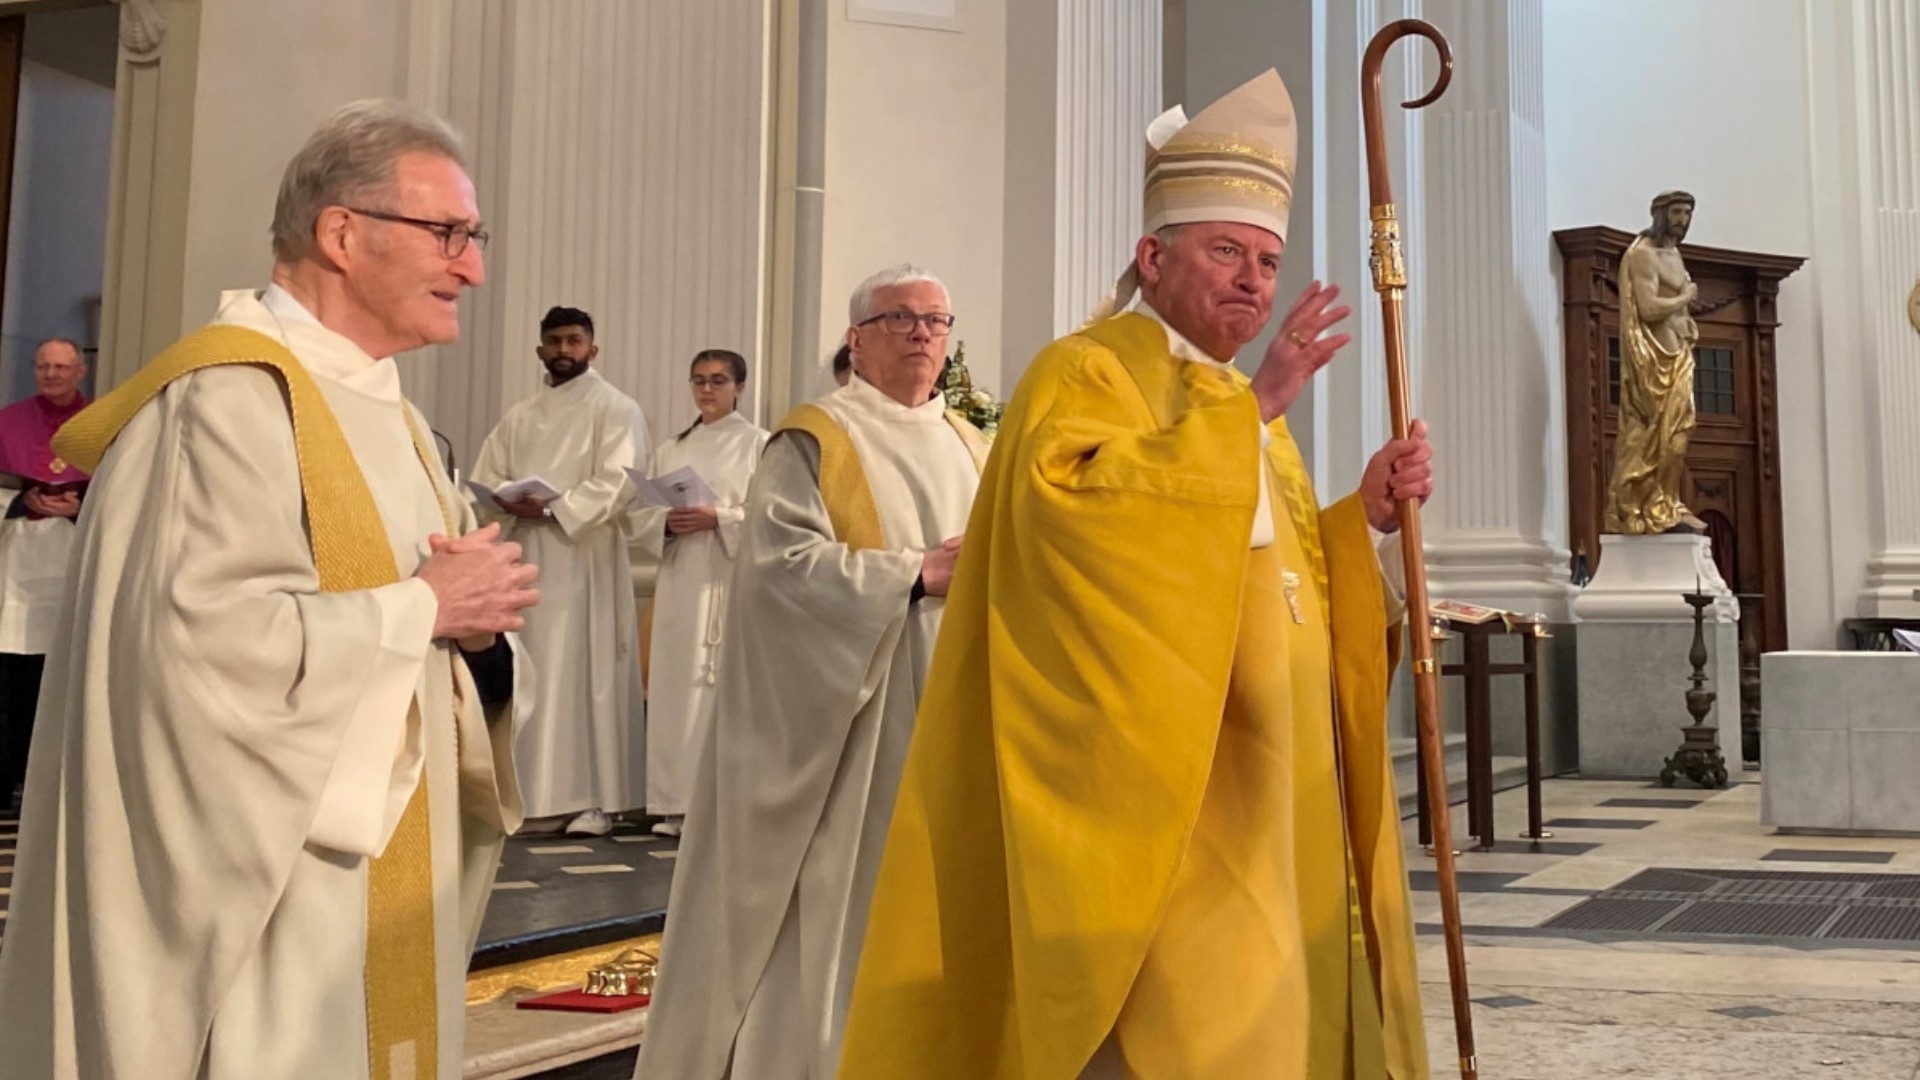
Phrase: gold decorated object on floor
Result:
[631,973]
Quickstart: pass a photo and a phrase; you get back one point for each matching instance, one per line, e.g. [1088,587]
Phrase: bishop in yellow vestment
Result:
[1147,826]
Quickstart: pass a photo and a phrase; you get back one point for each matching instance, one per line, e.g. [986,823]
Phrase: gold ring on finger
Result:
[1295,337]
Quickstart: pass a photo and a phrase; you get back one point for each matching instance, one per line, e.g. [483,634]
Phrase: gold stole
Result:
[351,551]
[843,480]
[1303,505]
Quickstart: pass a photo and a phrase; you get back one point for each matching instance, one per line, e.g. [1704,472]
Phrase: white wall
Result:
[56,243]
[915,171]
[1710,96]
[253,107]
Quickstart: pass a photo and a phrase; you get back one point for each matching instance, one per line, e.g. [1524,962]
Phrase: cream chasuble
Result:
[819,676]
[584,746]
[689,600]
[225,746]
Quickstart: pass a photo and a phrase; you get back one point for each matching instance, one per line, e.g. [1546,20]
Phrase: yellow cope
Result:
[1142,801]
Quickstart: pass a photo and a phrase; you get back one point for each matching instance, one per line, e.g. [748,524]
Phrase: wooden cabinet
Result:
[1733,461]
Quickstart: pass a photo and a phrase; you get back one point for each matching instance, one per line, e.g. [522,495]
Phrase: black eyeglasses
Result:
[939,324]
[453,235]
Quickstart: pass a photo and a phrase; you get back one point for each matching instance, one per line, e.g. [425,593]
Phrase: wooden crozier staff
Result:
[1390,281]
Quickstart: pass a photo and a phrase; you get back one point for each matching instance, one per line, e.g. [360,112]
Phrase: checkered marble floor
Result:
[1554,1000]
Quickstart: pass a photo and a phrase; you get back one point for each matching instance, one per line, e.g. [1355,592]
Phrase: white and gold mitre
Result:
[1233,162]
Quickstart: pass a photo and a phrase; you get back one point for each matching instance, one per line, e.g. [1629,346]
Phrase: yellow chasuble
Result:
[1143,802]
[351,551]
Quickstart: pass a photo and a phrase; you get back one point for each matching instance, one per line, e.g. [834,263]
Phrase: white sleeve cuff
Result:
[382,750]
[1263,509]
[1393,571]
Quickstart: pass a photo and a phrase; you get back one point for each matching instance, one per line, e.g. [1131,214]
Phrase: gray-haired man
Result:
[264,805]
[852,529]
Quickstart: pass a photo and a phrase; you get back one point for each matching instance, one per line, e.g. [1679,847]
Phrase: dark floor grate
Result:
[1667,881]
[1613,914]
[1797,891]
[1750,919]
[1900,888]
[1756,904]
[1878,924]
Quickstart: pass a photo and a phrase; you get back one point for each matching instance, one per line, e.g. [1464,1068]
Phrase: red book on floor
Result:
[581,1001]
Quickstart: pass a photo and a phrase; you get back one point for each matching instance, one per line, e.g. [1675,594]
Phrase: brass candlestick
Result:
[1699,753]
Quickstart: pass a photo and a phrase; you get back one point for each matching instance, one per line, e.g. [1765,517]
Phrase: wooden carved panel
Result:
[1733,460]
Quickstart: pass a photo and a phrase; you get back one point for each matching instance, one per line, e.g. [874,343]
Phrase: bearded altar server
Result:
[696,546]
[852,528]
[36,536]
[583,753]
[1147,827]
[265,805]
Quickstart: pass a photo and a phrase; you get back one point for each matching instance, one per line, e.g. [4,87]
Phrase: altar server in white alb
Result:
[696,546]
[852,528]
[583,753]
[273,771]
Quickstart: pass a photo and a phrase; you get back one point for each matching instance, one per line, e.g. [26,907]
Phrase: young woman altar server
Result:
[688,602]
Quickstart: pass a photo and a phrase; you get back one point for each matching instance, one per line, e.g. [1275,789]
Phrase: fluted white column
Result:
[1867,186]
[1349,415]
[620,151]
[1491,373]
[1109,90]
[1084,80]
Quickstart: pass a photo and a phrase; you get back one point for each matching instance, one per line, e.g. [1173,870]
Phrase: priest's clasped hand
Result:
[481,584]
[65,504]
[936,566]
[1299,350]
[1403,469]
[692,519]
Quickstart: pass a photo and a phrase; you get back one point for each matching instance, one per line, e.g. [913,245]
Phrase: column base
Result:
[1514,573]
[1634,636]
[1893,586]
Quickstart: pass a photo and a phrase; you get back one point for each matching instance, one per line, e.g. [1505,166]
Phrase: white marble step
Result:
[505,1043]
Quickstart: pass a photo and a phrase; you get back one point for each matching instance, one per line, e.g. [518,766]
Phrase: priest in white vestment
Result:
[36,536]
[695,546]
[273,771]
[852,529]
[582,755]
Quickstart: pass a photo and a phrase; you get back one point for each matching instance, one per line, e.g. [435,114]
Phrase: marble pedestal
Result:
[1841,736]
[1635,632]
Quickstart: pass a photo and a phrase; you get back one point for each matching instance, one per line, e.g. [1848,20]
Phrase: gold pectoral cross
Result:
[1290,585]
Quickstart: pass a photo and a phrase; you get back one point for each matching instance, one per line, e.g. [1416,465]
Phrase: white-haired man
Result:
[265,805]
[852,530]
